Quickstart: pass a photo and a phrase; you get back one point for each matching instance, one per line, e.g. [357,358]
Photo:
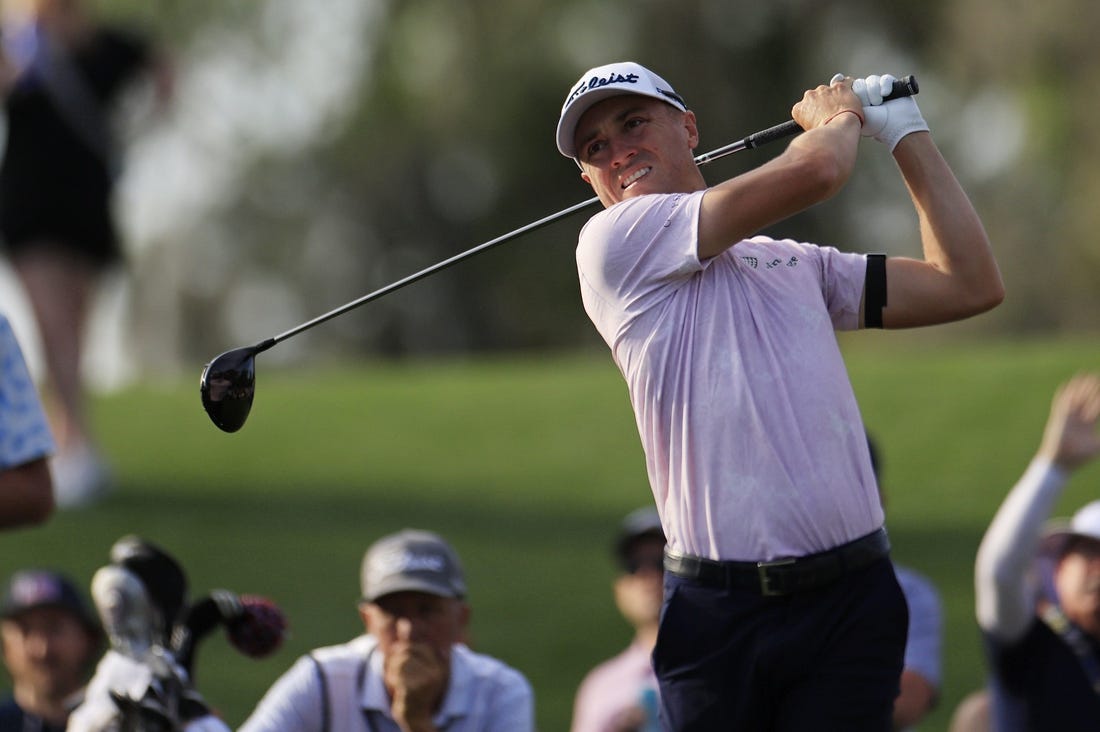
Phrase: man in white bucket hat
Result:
[1038,582]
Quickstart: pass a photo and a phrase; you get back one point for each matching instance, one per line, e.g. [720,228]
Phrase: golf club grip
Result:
[905,87]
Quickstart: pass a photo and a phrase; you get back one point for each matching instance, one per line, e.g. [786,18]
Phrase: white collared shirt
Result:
[754,443]
[484,694]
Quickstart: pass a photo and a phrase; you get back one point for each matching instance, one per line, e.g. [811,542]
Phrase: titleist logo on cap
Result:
[403,562]
[597,81]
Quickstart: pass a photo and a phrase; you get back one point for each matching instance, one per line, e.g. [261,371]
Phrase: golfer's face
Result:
[630,145]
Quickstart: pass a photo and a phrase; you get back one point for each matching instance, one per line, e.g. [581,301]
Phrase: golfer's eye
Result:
[634,122]
[594,148]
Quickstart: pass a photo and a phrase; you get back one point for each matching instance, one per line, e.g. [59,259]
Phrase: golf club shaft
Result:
[906,86]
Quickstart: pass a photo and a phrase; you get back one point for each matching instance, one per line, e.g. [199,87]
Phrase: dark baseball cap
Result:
[31,589]
[412,561]
[642,523]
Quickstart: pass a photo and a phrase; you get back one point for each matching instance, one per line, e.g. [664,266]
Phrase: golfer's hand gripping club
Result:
[886,122]
[899,88]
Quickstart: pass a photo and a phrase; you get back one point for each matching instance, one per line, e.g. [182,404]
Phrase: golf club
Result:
[228,382]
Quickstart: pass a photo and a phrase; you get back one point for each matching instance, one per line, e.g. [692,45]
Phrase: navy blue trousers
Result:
[823,660]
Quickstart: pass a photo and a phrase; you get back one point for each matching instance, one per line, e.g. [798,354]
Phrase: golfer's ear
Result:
[585,178]
[692,127]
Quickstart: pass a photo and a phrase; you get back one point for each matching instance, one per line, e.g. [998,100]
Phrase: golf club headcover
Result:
[887,121]
[260,629]
[220,607]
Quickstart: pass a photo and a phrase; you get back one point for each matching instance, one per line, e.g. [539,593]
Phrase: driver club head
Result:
[228,385]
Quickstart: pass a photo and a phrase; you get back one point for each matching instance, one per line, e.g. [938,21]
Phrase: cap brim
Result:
[567,125]
[1056,534]
[408,584]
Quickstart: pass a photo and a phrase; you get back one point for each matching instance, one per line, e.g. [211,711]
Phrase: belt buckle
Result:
[765,582]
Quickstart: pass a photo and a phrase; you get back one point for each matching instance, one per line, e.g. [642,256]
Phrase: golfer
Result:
[781,609]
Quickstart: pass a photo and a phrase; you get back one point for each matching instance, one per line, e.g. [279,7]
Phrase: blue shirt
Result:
[24,432]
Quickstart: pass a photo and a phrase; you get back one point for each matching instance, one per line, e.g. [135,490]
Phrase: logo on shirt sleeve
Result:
[772,264]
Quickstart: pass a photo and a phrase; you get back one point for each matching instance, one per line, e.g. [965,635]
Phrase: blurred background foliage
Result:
[316,151]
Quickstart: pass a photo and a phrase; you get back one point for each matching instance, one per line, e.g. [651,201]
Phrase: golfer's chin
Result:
[638,188]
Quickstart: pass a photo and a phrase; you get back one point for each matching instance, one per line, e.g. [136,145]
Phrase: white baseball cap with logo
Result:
[602,82]
[1084,524]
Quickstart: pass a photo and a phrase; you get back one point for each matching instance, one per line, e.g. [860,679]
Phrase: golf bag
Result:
[146,680]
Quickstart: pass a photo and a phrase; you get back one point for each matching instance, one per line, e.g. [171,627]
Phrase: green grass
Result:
[526,464]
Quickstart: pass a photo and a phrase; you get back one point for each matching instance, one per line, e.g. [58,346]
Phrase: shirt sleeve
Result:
[513,706]
[292,702]
[24,431]
[843,277]
[1005,588]
[640,245]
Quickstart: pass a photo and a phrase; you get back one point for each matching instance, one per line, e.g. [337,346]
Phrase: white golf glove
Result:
[889,121]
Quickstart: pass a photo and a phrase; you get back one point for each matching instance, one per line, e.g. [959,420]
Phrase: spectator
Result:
[620,694]
[63,73]
[921,672]
[50,642]
[26,491]
[411,671]
[1038,588]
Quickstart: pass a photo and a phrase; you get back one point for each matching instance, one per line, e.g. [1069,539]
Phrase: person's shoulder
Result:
[625,219]
[353,651]
[486,667]
[640,206]
[631,662]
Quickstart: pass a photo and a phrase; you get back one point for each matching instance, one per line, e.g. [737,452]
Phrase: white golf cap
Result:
[595,85]
[1085,524]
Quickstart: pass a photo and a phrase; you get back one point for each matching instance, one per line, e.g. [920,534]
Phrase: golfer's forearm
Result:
[952,235]
[26,494]
[814,167]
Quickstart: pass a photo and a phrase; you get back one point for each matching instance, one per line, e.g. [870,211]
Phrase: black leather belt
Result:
[783,576]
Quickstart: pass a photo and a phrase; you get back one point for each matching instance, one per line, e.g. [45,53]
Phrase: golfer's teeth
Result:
[635,176]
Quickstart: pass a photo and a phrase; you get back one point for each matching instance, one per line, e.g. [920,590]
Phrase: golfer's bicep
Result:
[919,294]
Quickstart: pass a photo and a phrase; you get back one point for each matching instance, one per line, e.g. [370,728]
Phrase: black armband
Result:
[874,291]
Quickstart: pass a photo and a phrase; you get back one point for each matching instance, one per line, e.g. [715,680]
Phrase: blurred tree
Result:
[374,140]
